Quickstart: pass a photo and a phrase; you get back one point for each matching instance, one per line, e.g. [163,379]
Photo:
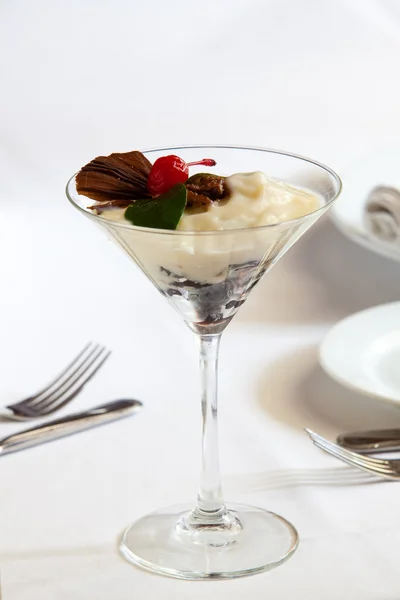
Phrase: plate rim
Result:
[342,380]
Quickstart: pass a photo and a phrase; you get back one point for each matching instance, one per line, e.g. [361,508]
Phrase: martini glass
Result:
[206,276]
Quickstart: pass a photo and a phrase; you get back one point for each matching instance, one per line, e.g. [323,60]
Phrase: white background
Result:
[83,78]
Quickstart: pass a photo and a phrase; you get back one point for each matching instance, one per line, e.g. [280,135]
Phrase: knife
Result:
[74,423]
[379,440]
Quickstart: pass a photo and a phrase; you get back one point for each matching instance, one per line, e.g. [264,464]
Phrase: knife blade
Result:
[52,430]
[379,440]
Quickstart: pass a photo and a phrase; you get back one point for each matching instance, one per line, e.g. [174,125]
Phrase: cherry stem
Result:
[208,162]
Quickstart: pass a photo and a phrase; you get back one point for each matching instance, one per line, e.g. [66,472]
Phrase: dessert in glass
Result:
[205,239]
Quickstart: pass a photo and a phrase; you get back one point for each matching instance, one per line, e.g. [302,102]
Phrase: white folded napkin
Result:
[382,213]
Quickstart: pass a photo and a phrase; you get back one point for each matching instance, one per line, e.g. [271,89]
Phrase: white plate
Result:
[362,352]
[347,214]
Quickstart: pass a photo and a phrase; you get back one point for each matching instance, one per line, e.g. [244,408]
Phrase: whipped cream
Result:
[254,200]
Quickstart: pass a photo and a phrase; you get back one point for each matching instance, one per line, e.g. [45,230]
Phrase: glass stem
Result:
[209,500]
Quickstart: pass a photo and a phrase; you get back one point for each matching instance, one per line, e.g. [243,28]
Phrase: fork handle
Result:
[380,440]
[68,425]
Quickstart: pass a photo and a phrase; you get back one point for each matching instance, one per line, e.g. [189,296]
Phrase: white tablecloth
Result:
[83,78]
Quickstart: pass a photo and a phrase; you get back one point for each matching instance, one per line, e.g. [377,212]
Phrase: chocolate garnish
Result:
[212,186]
[101,207]
[196,200]
[115,180]
[204,188]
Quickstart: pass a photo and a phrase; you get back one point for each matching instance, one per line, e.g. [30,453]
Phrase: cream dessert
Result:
[254,200]
[220,248]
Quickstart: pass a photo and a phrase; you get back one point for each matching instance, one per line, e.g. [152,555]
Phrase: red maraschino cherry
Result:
[170,170]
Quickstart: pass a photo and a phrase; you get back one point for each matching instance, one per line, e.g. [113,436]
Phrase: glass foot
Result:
[245,540]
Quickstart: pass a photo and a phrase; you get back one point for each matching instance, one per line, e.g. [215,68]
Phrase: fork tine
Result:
[79,376]
[349,453]
[62,381]
[368,463]
[57,405]
[62,401]
[30,401]
[381,470]
[73,376]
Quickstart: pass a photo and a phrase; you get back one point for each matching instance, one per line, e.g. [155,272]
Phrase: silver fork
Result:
[63,388]
[388,468]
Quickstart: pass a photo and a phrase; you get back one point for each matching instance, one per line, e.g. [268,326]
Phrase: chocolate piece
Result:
[195,200]
[118,179]
[203,189]
[101,207]
[207,184]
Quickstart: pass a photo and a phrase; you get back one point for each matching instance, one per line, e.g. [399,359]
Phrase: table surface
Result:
[85,78]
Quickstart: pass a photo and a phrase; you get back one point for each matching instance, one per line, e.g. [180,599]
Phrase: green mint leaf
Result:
[163,212]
